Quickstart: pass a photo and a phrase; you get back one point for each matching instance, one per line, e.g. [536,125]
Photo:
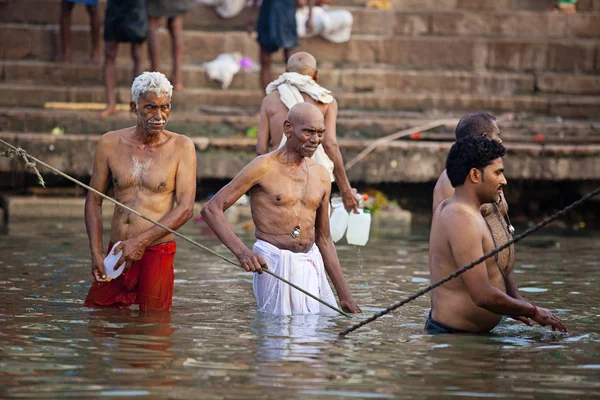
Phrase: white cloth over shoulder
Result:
[225,8]
[306,270]
[290,86]
[332,25]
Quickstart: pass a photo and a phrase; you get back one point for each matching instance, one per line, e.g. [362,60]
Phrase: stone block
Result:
[361,50]
[541,25]
[570,57]
[496,5]
[412,23]
[568,83]
[461,23]
[532,5]
[374,22]
[422,4]
[34,42]
[429,53]
[204,17]
[583,26]
[575,106]
[516,55]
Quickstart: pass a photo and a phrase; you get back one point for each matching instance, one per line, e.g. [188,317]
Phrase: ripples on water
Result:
[215,345]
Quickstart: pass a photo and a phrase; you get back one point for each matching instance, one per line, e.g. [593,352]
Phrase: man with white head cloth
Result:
[152,171]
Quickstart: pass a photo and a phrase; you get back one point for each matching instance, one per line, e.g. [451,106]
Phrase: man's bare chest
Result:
[153,171]
[291,192]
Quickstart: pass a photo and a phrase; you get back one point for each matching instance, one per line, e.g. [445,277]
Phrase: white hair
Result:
[150,82]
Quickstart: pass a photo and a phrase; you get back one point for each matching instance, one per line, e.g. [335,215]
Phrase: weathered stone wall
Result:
[399,161]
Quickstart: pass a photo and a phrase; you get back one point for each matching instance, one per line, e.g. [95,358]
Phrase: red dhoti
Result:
[148,282]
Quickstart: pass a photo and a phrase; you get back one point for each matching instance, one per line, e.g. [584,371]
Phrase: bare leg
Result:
[66,9]
[175,25]
[153,45]
[287,53]
[136,53]
[110,58]
[265,68]
[95,34]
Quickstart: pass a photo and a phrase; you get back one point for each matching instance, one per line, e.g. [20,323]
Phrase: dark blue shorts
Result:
[433,327]
[276,25]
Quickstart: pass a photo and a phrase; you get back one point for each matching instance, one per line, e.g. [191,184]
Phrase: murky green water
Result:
[215,346]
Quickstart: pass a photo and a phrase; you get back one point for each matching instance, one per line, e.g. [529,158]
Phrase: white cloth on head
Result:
[290,86]
[332,25]
[225,8]
[305,270]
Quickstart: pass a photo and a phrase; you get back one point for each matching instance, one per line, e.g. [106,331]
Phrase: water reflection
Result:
[131,339]
[215,345]
[290,337]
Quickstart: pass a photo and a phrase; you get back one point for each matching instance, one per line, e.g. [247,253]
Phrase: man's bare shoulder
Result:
[272,101]
[443,189]
[318,170]
[453,213]
[332,106]
[112,138]
[181,142]
[261,165]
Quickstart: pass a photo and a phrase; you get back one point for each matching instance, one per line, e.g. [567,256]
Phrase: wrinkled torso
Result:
[283,199]
[144,180]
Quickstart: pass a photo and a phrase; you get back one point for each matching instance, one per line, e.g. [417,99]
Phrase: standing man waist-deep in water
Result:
[289,200]
[151,170]
[475,301]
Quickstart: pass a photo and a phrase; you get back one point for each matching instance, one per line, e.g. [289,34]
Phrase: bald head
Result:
[304,129]
[302,63]
[305,113]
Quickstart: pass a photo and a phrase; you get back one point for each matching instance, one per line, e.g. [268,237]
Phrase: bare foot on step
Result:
[108,111]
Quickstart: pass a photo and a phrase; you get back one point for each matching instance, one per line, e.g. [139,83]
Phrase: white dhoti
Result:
[306,270]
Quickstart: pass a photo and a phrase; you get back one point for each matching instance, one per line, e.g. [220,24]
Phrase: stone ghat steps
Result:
[39,7]
[565,106]
[479,5]
[215,122]
[363,80]
[418,22]
[398,161]
[405,52]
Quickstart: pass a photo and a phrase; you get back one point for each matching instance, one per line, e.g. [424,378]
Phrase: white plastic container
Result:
[338,222]
[359,226]
[111,260]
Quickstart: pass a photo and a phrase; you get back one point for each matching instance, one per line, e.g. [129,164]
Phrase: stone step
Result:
[480,5]
[446,22]
[409,52]
[397,161]
[348,79]
[566,106]
[351,124]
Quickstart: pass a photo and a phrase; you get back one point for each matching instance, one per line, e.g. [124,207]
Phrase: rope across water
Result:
[22,153]
[14,151]
[471,265]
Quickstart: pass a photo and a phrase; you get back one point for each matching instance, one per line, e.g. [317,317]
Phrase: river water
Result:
[215,346]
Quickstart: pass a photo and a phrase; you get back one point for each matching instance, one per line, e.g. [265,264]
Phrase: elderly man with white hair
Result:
[152,171]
